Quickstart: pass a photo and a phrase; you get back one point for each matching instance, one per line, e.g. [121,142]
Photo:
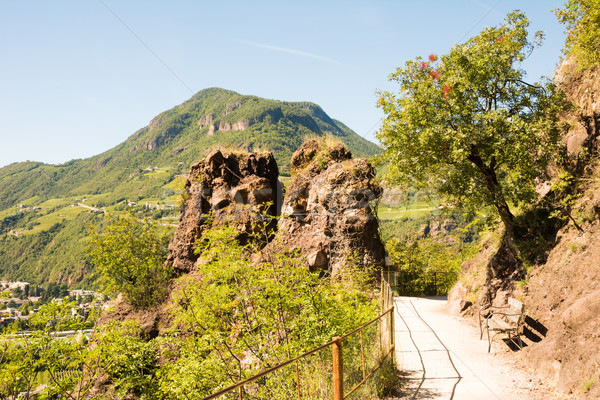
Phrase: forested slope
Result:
[41,203]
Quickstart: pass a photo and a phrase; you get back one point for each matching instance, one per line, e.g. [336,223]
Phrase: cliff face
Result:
[583,90]
[229,189]
[326,214]
[563,294]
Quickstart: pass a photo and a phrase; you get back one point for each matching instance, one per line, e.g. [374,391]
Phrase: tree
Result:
[129,256]
[238,317]
[468,125]
[582,18]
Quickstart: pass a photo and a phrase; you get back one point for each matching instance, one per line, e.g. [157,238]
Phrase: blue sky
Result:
[78,77]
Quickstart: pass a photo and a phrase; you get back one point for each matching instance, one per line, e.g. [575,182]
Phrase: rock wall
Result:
[563,294]
[230,189]
[582,88]
[326,214]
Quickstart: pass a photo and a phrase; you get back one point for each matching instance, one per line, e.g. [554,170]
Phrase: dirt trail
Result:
[442,358]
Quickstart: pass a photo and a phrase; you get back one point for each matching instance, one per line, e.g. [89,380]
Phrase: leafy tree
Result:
[128,358]
[238,317]
[582,18]
[24,359]
[129,256]
[468,125]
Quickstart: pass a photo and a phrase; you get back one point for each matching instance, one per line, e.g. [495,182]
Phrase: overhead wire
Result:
[480,19]
[147,46]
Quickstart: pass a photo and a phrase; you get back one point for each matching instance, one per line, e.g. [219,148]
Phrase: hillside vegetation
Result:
[45,210]
[559,282]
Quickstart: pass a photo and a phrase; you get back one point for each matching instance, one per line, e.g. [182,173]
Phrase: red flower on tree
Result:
[447,89]
[424,65]
[433,58]
[435,74]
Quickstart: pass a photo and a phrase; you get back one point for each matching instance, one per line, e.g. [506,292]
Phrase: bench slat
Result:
[499,325]
[516,304]
[514,318]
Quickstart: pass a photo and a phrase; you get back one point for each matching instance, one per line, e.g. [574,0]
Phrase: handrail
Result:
[367,324]
[238,385]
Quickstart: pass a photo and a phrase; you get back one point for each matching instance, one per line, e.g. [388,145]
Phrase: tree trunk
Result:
[495,189]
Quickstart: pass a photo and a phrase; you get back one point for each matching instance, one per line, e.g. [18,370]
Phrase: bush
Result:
[130,255]
[582,18]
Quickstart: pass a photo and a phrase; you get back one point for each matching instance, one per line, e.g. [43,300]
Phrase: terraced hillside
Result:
[45,210]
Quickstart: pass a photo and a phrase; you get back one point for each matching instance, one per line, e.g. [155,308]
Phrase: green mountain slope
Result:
[45,209]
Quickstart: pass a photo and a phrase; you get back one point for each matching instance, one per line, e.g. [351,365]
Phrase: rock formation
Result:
[229,189]
[326,214]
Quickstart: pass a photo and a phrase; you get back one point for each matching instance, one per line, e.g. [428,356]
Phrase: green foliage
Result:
[128,357]
[418,257]
[563,198]
[231,318]
[468,125]
[417,262]
[582,19]
[244,317]
[27,360]
[587,384]
[129,256]
[69,367]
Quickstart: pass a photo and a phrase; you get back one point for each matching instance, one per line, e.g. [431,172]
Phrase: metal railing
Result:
[385,344]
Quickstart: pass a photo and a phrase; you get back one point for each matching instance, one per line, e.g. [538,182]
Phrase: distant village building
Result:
[14,285]
[81,293]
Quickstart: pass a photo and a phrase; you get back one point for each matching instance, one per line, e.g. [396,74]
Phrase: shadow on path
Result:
[423,387]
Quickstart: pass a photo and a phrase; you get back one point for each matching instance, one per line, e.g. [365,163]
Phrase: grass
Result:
[286,180]
[31,201]
[158,174]
[8,212]
[46,221]
[587,384]
[58,202]
[410,211]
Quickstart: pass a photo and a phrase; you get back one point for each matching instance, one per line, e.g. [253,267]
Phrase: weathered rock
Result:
[456,299]
[229,189]
[326,213]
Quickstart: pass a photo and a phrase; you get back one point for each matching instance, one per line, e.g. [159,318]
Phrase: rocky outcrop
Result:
[326,213]
[232,189]
[231,107]
[228,126]
[582,88]
[206,120]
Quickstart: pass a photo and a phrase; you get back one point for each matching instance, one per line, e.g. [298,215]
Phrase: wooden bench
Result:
[505,319]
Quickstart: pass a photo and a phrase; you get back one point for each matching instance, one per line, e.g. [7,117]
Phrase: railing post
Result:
[338,369]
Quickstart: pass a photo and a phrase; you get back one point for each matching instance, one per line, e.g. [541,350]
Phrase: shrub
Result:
[582,18]
[129,256]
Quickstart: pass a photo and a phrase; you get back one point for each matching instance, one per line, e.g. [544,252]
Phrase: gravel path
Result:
[442,358]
